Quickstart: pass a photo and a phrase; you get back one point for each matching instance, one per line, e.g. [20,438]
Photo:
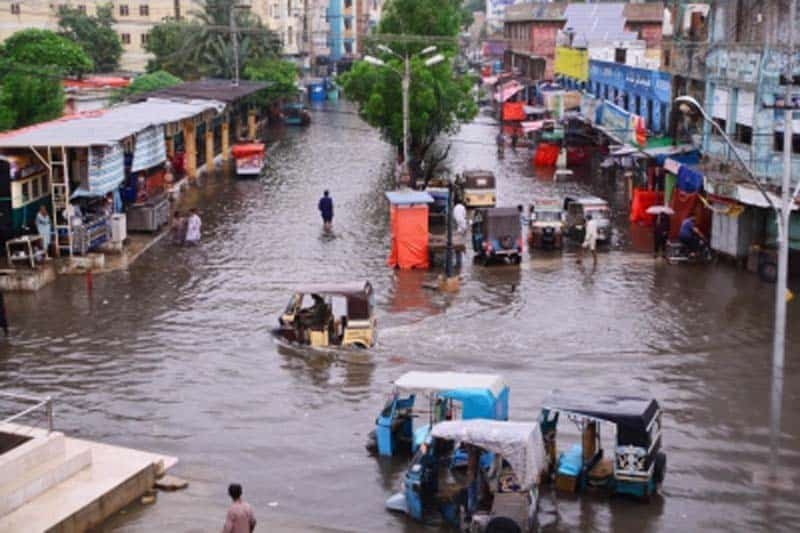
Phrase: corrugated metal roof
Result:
[211,89]
[649,12]
[107,126]
[536,11]
[597,23]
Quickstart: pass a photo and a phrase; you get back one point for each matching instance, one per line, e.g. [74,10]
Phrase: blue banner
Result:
[650,84]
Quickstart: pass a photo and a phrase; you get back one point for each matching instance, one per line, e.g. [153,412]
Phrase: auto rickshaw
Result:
[329,315]
[445,395]
[478,475]
[577,208]
[496,234]
[478,188]
[546,224]
[637,465]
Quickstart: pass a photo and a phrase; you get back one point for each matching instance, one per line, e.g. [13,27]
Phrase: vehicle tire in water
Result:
[660,468]
[502,524]
[768,271]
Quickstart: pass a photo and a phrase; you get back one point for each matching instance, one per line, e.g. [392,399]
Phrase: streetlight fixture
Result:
[782,214]
[405,77]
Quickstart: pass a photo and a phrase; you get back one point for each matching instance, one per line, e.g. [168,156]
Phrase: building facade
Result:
[743,67]
[531,31]
[134,18]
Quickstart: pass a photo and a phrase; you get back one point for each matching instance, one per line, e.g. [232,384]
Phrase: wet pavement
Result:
[174,355]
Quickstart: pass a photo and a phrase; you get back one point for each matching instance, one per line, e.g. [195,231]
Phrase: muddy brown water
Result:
[174,355]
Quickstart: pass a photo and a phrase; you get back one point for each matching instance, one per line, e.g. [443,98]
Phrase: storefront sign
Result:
[571,62]
[648,84]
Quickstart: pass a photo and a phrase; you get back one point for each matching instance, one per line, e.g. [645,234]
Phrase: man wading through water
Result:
[325,207]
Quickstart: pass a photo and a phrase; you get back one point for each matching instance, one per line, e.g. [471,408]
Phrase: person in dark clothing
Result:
[660,234]
[325,207]
[3,320]
[690,236]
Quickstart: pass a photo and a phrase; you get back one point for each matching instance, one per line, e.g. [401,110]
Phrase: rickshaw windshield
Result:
[480,181]
[548,216]
[601,212]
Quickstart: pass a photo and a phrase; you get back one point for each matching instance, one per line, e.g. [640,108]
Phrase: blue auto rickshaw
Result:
[446,395]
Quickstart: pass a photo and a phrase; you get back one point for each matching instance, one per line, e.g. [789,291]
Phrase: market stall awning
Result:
[507,90]
[106,127]
[409,197]
[513,111]
[489,80]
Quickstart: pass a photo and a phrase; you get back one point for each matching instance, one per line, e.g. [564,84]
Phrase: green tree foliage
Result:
[45,48]
[167,42]
[282,75]
[439,100]
[204,47]
[94,34]
[151,81]
[32,65]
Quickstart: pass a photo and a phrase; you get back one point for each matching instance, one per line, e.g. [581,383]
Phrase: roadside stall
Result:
[409,223]
[83,157]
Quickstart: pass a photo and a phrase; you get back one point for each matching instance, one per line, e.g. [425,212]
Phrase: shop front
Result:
[641,92]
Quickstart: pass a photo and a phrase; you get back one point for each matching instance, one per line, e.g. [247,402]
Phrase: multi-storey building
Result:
[134,18]
[350,21]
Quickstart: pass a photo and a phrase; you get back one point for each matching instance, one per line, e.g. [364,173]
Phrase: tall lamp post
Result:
[782,214]
[235,40]
[405,77]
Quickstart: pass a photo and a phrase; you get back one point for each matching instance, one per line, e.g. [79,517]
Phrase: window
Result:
[15,9]
[144,38]
[744,134]
[125,38]
[666,58]
[35,188]
[619,55]
[290,35]
[26,192]
[722,123]
[348,24]
[123,12]
[82,8]
[45,184]
[144,10]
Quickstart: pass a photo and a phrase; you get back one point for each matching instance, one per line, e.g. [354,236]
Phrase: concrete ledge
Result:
[116,477]
[25,279]
[40,449]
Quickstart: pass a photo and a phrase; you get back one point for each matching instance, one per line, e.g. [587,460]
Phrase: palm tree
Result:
[211,46]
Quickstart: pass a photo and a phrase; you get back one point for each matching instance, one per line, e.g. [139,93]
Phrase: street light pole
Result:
[235,40]
[779,342]
[406,84]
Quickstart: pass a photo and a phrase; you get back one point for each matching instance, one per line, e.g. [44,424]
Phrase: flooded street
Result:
[175,356]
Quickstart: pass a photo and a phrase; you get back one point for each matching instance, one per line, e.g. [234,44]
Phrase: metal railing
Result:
[39,404]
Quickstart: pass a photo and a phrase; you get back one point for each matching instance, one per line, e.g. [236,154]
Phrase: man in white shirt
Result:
[193,227]
[590,240]
[460,218]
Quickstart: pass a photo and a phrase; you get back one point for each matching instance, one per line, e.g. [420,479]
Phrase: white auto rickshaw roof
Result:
[430,382]
[519,443]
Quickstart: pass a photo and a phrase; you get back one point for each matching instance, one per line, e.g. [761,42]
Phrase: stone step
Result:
[16,462]
[44,475]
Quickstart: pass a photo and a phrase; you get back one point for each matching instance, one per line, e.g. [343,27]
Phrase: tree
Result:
[145,83]
[204,47]
[439,100]
[281,74]
[32,65]
[95,35]
[167,42]
[45,48]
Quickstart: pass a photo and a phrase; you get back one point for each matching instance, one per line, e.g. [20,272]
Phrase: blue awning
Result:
[409,197]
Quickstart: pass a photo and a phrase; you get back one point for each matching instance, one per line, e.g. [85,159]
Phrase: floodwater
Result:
[174,355]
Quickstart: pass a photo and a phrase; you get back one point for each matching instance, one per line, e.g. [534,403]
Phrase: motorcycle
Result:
[678,252]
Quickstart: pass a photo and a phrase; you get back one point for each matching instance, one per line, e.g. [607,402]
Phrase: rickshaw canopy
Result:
[434,382]
[519,443]
[478,179]
[357,294]
[632,414]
